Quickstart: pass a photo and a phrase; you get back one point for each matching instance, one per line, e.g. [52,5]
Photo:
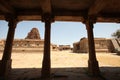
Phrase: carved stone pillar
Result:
[93,66]
[46,64]
[5,64]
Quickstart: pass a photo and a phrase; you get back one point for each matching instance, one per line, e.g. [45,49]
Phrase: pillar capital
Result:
[47,17]
[90,19]
[12,20]
[89,25]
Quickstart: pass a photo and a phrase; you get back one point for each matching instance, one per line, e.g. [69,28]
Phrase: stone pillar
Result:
[5,64]
[93,67]
[46,64]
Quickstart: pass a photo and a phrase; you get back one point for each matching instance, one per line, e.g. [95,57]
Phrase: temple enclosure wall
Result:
[101,45]
[29,45]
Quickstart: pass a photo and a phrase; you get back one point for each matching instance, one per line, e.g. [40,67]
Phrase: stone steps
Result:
[115,45]
[118,40]
[102,50]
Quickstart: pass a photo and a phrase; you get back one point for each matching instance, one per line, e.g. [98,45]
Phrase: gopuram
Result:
[88,12]
[33,34]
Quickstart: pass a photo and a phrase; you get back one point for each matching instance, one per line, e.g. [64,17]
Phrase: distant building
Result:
[101,45]
[64,47]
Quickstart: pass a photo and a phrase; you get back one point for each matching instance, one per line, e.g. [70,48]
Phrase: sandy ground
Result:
[65,63]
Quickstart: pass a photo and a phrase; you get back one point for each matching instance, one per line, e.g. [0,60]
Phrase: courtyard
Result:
[66,65]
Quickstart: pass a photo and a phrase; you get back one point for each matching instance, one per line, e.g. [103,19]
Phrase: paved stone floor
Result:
[107,73]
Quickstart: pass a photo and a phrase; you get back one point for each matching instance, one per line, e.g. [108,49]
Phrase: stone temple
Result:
[101,45]
[31,43]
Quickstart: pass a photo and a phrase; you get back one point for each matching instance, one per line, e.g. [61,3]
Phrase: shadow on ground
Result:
[107,73]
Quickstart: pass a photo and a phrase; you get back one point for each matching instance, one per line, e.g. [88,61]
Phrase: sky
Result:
[62,33]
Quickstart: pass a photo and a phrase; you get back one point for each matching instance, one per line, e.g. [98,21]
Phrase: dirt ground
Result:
[65,66]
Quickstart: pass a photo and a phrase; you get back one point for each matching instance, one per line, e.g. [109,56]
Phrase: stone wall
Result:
[25,45]
[2,42]
[29,45]
[76,47]
[101,45]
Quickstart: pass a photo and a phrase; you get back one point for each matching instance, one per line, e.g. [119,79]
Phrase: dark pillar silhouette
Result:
[5,64]
[46,64]
[93,67]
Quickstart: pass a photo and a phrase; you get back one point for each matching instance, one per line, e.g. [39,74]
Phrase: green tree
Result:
[116,34]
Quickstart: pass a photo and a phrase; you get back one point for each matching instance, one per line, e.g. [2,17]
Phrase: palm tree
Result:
[116,34]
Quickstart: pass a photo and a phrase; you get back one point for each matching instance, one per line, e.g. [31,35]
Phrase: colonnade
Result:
[5,63]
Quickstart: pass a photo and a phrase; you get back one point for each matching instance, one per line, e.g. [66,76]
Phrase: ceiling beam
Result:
[96,7]
[46,6]
[5,7]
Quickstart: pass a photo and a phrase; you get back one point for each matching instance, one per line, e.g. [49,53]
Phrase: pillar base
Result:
[45,76]
[5,68]
[93,68]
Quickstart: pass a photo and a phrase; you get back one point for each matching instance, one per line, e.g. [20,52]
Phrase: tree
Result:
[116,34]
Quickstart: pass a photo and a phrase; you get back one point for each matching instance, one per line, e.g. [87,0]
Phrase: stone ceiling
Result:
[62,10]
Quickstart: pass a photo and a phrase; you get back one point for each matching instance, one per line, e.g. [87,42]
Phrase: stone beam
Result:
[46,6]
[5,7]
[97,6]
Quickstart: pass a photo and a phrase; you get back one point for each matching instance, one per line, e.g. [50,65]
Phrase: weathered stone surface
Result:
[33,34]
[101,45]
[27,45]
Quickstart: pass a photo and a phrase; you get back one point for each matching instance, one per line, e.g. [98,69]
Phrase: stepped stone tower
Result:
[33,34]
